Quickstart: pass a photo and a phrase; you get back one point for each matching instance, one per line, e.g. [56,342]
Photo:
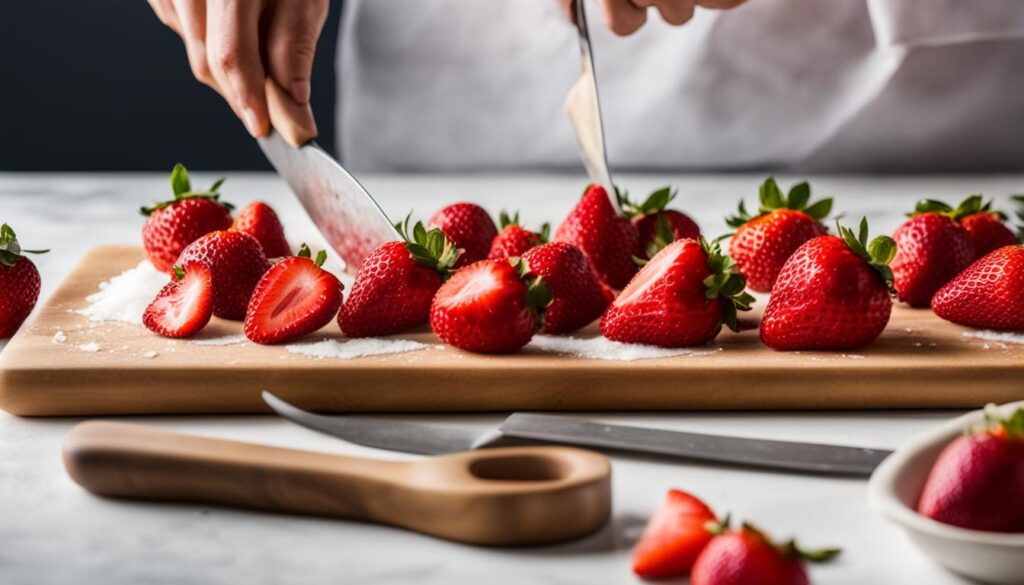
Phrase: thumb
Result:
[292,33]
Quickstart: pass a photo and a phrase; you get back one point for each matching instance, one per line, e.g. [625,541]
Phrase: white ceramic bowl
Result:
[894,490]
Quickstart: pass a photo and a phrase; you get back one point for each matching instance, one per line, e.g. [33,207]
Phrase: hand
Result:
[233,46]
[625,17]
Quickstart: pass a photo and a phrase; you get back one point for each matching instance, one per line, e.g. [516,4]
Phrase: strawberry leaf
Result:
[772,199]
[181,187]
[969,206]
[180,183]
[655,202]
[506,220]
[725,281]
[10,249]
[878,253]
[429,247]
[799,195]
[718,527]
[791,549]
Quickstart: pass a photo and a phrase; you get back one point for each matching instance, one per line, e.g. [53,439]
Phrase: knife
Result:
[584,109]
[529,428]
[349,218]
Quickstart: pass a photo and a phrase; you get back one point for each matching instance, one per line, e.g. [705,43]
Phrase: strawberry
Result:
[236,261]
[294,298]
[987,294]
[985,227]
[19,282]
[763,242]
[184,306]
[172,225]
[674,536]
[396,283]
[608,240]
[260,221]
[514,240]
[489,307]
[657,226]
[469,227]
[933,248]
[746,556]
[977,481]
[578,296]
[832,293]
[680,298]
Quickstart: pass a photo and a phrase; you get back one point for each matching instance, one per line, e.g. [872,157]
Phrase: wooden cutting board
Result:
[920,361]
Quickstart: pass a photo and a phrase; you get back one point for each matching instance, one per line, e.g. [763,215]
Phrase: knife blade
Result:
[583,106]
[349,218]
[432,439]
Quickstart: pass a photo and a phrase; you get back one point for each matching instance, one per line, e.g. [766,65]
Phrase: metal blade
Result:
[584,110]
[785,455]
[344,212]
[379,433]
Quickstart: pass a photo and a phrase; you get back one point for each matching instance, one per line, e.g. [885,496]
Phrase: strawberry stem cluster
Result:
[726,282]
[969,206]
[790,549]
[429,247]
[1019,201]
[181,186]
[1012,426]
[321,256]
[878,253]
[10,250]
[656,202]
[538,294]
[505,220]
[771,199]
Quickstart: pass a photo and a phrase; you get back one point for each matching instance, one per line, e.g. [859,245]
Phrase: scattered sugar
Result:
[354,348]
[221,341]
[60,337]
[150,354]
[125,296]
[1007,336]
[91,347]
[853,356]
[600,348]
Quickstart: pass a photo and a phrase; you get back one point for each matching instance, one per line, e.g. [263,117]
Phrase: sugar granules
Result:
[1004,336]
[221,341]
[354,348]
[125,297]
[600,348]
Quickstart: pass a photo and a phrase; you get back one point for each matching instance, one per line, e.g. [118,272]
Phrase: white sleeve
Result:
[943,22]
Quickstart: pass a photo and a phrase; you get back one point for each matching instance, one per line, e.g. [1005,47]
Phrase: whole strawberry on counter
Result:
[988,294]
[746,556]
[977,482]
[933,248]
[765,240]
[832,293]
[172,225]
[607,239]
[469,227]
[490,306]
[682,297]
[578,296]
[656,225]
[514,240]
[294,298]
[395,284]
[674,537]
[19,282]
[236,261]
[260,221]
[184,306]
[986,228]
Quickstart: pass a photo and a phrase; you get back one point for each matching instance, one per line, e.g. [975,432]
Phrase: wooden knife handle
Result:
[513,496]
[292,120]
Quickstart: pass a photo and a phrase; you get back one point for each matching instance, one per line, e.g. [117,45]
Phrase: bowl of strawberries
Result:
[958,492]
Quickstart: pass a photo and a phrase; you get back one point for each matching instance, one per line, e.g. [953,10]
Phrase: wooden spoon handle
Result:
[134,461]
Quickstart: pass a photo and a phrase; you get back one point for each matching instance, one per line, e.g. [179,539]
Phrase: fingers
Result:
[567,8]
[623,17]
[292,32]
[675,12]
[192,20]
[294,121]
[164,10]
[233,55]
[719,4]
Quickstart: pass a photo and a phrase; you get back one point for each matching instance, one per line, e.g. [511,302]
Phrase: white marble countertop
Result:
[52,531]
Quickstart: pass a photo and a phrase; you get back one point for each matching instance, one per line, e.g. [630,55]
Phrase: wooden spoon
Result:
[497,497]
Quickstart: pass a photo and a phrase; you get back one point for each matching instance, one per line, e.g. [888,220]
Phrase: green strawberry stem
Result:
[969,206]
[718,527]
[305,252]
[726,282]
[791,549]
[181,187]
[771,199]
[1019,201]
[1013,425]
[506,220]
[655,202]
[538,295]
[429,247]
[10,249]
[878,253]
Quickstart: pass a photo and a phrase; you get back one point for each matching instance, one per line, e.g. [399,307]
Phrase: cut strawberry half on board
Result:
[765,240]
[489,306]
[514,240]
[932,248]
[294,298]
[676,533]
[236,262]
[19,282]
[682,297]
[988,294]
[260,221]
[396,283]
[657,225]
[184,306]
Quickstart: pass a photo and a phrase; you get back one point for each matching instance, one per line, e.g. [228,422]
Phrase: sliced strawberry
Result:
[184,306]
[675,535]
[260,221]
[295,297]
[236,261]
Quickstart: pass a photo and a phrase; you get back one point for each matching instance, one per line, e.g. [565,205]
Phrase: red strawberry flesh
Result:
[294,298]
[184,306]
[674,536]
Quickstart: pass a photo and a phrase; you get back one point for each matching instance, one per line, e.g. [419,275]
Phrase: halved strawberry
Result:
[236,261]
[675,535]
[260,221]
[184,306]
[294,298]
